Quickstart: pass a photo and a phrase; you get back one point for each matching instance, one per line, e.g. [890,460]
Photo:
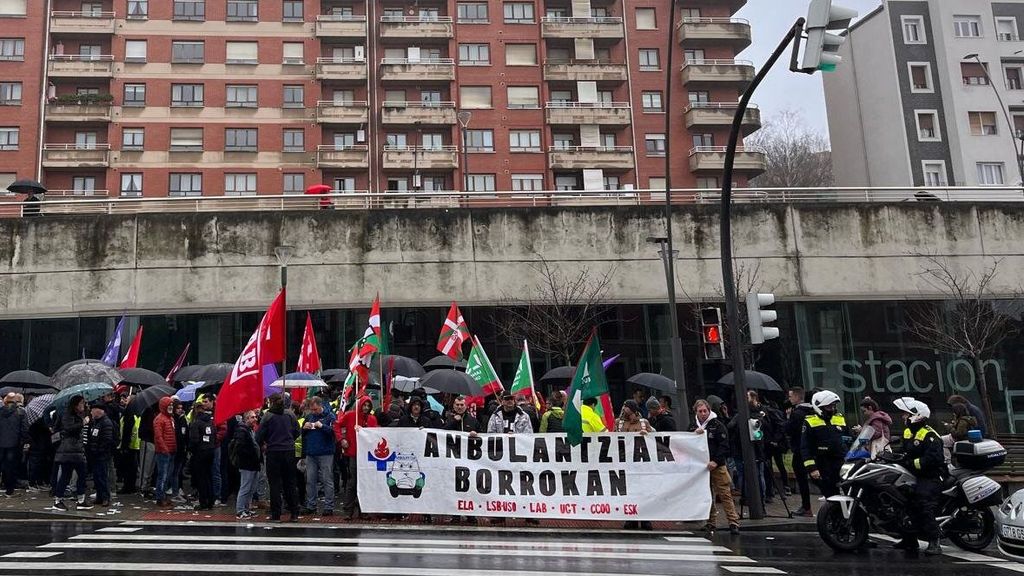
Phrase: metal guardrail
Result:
[341,103]
[581,20]
[341,18]
[415,19]
[718,20]
[79,14]
[73,146]
[340,60]
[81,58]
[716,106]
[416,104]
[716,62]
[722,149]
[561,104]
[414,62]
[557,148]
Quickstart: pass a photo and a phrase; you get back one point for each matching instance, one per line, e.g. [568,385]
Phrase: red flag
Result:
[243,388]
[608,411]
[179,362]
[309,357]
[453,333]
[131,359]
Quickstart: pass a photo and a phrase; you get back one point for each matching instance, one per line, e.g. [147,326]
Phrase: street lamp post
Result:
[464,118]
[1006,115]
[284,254]
[679,399]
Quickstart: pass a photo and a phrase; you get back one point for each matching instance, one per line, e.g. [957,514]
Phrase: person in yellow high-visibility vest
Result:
[592,422]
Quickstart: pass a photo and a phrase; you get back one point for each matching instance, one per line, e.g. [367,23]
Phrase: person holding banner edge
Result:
[707,422]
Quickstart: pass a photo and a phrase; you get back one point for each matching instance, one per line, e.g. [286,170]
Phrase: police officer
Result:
[922,455]
[823,442]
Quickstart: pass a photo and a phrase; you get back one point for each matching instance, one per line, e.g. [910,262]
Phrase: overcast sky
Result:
[770,19]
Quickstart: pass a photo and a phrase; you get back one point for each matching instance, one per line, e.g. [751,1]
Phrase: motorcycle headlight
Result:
[1006,507]
[845,470]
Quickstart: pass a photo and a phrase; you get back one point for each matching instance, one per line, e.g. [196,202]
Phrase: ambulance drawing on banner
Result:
[402,470]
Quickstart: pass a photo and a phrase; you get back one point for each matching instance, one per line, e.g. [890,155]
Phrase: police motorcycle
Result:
[874,496]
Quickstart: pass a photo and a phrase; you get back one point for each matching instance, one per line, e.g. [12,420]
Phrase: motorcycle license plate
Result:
[1014,532]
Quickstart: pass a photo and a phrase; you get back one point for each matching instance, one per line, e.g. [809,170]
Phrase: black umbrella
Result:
[560,375]
[338,377]
[26,379]
[142,377]
[330,372]
[451,381]
[83,371]
[754,381]
[26,186]
[653,381]
[444,361]
[148,398]
[403,366]
[214,372]
[188,373]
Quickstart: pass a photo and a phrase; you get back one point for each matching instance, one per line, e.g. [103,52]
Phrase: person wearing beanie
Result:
[99,449]
[630,419]
[660,418]
[277,433]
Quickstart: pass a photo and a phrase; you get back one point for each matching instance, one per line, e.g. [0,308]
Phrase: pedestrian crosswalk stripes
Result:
[31,554]
[752,570]
[147,567]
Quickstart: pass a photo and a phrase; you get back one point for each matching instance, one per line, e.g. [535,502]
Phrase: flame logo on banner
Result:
[382,451]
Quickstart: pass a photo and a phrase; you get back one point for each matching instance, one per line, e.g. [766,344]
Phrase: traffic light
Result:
[711,333]
[821,47]
[757,318]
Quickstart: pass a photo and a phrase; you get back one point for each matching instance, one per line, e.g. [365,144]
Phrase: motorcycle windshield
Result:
[861,447]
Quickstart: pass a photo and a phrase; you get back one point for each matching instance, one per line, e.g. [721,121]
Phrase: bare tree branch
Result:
[796,156]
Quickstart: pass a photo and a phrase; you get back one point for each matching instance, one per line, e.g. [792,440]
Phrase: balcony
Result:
[337,156]
[416,27]
[395,112]
[720,115]
[581,157]
[331,26]
[584,70]
[427,69]
[76,155]
[341,69]
[65,22]
[75,66]
[353,112]
[420,158]
[71,194]
[712,159]
[718,73]
[733,5]
[78,112]
[600,113]
[570,27]
[699,32]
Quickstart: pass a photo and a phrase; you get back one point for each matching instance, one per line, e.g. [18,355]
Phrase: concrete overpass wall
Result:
[151,263]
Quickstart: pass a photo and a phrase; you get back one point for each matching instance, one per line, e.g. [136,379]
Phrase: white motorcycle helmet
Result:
[822,399]
[919,411]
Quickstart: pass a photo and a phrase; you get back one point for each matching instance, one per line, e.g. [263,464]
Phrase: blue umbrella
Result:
[188,393]
[299,380]
[88,390]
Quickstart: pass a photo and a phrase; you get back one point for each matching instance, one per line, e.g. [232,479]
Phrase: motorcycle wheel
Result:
[838,532]
[981,532]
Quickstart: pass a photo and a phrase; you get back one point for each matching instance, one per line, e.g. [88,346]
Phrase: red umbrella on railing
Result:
[322,190]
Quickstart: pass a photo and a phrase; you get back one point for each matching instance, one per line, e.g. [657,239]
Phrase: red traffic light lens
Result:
[712,334]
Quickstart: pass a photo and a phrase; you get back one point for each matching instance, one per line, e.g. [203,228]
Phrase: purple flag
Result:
[113,351]
[269,375]
[610,361]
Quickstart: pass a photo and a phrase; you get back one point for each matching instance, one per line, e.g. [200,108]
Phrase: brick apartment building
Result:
[234,97]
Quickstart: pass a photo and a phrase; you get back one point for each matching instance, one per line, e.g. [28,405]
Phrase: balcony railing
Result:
[75,155]
[99,65]
[342,155]
[341,68]
[339,26]
[712,158]
[721,114]
[584,70]
[401,112]
[416,27]
[73,22]
[412,70]
[715,31]
[717,71]
[351,111]
[582,27]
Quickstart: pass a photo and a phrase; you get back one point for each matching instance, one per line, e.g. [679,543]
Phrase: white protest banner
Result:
[607,477]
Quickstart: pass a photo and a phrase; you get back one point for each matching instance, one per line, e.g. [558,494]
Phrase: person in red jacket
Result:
[166,443]
[345,434]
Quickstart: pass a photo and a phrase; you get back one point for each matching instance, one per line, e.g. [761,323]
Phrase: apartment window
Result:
[10,93]
[990,173]
[293,11]
[927,126]
[240,140]
[474,54]
[430,97]
[520,54]
[1006,29]
[524,141]
[293,53]
[566,182]
[702,140]
[1014,76]
[135,51]
[611,183]
[138,9]
[934,173]
[294,140]
[967,26]
[480,182]
[185,184]
[83,185]
[432,141]
[698,96]
[479,140]
[913,30]
[131,184]
[472,12]
[294,97]
[974,74]
[13,7]
[693,54]
[656,183]
[708,183]
[240,96]
[520,97]
[395,140]
[9,138]
[474,97]
[134,95]
[344,183]
[12,49]
[186,139]
[133,138]
[435,183]
[189,10]
[242,53]
[527,182]
[345,140]
[649,59]
[920,76]
[689,12]
[654,144]
[983,123]
[645,19]
[651,102]
[519,13]
[188,52]
[242,11]
[294,183]
[187,95]
[240,184]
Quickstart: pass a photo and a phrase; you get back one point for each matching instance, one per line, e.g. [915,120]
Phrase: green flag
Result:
[589,382]
[479,368]
[523,382]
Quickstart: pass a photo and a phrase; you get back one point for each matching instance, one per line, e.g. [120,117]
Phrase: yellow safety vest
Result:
[298,440]
[136,442]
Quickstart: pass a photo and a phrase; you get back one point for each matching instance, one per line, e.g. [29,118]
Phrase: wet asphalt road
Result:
[54,548]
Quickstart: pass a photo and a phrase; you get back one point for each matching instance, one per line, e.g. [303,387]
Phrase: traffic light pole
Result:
[751,480]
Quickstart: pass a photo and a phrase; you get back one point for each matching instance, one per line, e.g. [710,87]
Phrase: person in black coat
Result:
[707,422]
[99,449]
[660,419]
[798,413]
[459,419]
[277,434]
[202,443]
[244,454]
[70,457]
[177,479]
